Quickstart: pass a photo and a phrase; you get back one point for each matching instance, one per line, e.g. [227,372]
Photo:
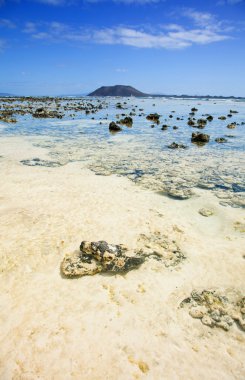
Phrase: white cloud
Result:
[174,37]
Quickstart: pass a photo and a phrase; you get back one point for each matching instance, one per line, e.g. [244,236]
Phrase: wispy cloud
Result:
[172,36]
[30,27]
[121,70]
[230,2]
[5,23]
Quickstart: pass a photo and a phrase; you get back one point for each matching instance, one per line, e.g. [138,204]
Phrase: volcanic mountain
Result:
[118,90]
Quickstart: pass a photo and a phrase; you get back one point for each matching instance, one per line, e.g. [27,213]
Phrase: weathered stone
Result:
[96,257]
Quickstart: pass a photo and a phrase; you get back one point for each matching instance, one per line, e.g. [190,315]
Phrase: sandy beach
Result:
[106,326]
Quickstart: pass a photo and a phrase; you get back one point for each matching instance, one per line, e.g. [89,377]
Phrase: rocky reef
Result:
[217,309]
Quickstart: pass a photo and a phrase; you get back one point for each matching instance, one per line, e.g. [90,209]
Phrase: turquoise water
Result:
[141,153]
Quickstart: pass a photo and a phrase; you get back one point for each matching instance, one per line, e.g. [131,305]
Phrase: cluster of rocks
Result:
[45,113]
[215,309]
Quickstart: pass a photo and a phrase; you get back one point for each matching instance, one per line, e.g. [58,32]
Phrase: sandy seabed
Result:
[115,327]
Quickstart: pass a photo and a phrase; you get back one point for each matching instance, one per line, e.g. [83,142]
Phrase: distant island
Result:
[5,94]
[118,90]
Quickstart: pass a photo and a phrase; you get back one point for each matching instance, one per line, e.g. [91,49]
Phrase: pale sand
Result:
[109,327]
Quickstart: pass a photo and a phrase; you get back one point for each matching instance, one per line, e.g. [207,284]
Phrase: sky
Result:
[62,47]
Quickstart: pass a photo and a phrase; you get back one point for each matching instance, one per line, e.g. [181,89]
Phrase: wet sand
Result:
[110,326]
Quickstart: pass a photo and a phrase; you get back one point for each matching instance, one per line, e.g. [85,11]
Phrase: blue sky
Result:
[54,47]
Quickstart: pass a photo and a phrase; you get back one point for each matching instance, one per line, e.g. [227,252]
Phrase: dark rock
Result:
[153,117]
[210,118]
[128,121]
[191,123]
[222,118]
[164,127]
[199,138]
[231,126]
[114,127]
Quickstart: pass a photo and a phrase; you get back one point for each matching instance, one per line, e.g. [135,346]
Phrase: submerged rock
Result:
[221,140]
[40,162]
[96,257]
[206,212]
[215,309]
[175,145]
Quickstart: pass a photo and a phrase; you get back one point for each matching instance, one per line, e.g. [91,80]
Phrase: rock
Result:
[114,127]
[153,117]
[128,121]
[201,123]
[231,126]
[174,145]
[232,111]
[222,118]
[205,212]
[199,138]
[221,140]
[96,257]
[191,123]
[194,109]
[210,118]
[164,127]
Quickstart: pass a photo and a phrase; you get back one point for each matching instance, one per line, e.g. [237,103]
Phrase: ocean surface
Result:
[141,152]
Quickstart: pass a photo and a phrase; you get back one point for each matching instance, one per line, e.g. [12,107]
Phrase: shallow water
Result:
[141,153]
